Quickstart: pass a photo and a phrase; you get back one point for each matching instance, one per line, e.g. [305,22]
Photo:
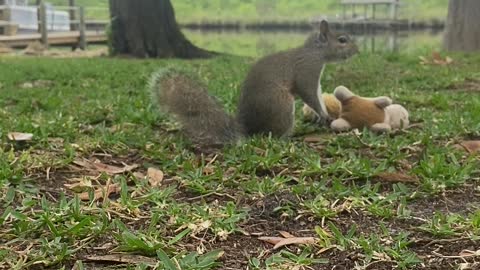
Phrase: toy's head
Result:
[397,116]
[361,112]
[334,108]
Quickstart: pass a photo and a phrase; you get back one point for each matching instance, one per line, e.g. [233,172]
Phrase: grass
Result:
[209,209]
[188,11]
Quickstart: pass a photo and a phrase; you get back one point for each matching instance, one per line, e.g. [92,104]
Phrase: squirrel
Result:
[267,99]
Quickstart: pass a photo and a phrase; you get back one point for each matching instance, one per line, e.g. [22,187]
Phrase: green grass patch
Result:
[208,210]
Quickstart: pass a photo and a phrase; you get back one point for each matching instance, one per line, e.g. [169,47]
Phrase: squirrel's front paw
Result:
[324,121]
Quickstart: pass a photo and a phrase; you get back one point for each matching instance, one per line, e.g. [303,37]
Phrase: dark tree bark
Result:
[463,26]
[147,28]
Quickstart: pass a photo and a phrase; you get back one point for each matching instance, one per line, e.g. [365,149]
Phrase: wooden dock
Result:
[55,38]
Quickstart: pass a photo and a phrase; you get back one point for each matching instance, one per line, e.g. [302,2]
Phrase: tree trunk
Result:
[147,28]
[463,26]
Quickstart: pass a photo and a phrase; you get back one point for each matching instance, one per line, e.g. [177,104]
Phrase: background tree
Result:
[463,26]
[148,28]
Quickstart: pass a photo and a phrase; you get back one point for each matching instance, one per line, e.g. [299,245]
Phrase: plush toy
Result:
[334,108]
[350,111]
[377,114]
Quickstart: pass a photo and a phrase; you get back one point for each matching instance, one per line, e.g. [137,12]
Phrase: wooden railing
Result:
[77,34]
[393,6]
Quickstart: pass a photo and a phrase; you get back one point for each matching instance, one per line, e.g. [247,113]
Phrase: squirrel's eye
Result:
[342,39]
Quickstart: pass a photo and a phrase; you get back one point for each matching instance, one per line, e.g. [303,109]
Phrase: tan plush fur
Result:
[378,114]
[360,112]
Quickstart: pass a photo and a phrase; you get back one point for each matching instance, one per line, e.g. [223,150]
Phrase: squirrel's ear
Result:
[324,28]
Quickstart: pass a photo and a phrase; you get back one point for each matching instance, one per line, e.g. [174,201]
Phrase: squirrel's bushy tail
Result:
[203,119]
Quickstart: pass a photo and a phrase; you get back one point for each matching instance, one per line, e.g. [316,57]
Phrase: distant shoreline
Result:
[354,26]
[303,26]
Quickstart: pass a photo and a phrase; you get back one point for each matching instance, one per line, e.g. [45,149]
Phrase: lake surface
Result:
[256,43]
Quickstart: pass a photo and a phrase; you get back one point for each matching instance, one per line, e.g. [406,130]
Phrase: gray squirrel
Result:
[267,99]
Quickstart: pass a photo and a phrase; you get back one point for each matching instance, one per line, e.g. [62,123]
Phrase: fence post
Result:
[82,44]
[43,24]
[72,15]
[374,9]
[37,4]
[393,10]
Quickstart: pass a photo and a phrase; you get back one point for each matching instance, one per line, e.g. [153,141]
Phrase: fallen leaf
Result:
[79,184]
[114,169]
[279,242]
[381,256]
[208,170]
[271,239]
[155,177]
[469,146]
[18,136]
[101,167]
[123,258]
[57,141]
[469,253]
[100,193]
[139,175]
[286,234]
[396,177]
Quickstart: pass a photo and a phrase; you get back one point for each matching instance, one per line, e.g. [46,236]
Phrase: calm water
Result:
[250,43]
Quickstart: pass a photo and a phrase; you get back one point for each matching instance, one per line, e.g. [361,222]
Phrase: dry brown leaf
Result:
[114,169]
[295,241]
[286,234]
[271,239]
[79,184]
[469,253]
[279,242]
[139,175]
[155,177]
[84,163]
[469,146]
[396,177]
[100,193]
[123,258]
[208,170]
[101,167]
[18,136]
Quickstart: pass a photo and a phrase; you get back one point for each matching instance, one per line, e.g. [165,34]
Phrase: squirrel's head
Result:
[333,45]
